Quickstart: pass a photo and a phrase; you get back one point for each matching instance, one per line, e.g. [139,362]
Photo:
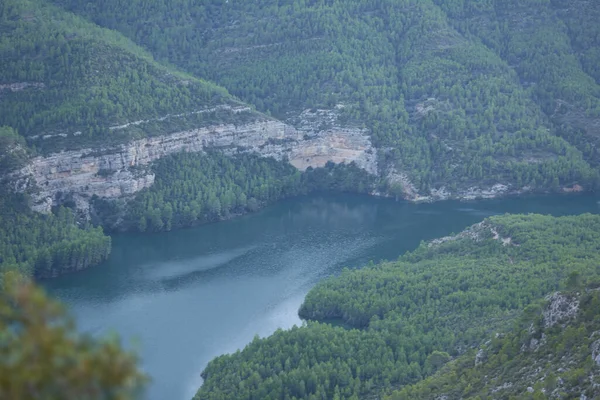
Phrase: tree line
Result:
[195,188]
[44,246]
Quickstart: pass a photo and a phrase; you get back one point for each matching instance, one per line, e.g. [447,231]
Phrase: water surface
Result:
[184,297]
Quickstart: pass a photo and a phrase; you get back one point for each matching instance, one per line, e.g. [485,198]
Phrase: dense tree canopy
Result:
[65,82]
[398,322]
[531,358]
[196,188]
[453,92]
[46,245]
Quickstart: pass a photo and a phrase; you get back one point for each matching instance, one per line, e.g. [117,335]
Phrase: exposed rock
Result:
[573,189]
[119,171]
[221,107]
[337,145]
[18,86]
[505,240]
[424,108]
[440,194]
[560,308]
[410,192]
[483,193]
[480,357]
[400,183]
[504,386]
[533,345]
[324,139]
[595,347]
[480,231]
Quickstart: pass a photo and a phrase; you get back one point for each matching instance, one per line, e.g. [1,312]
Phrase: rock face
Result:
[595,347]
[480,357]
[19,86]
[123,170]
[411,193]
[560,308]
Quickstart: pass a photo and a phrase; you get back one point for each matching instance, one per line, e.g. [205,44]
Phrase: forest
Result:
[46,246]
[65,82]
[529,357]
[398,322]
[454,93]
[191,189]
[40,245]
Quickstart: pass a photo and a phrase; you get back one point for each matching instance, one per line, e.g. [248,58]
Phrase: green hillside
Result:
[46,246]
[65,82]
[192,189]
[528,363]
[35,244]
[398,322]
[454,93]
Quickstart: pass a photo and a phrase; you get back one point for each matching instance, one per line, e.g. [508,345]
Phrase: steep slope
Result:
[66,83]
[403,320]
[455,95]
[46,245]
[552,353]
[40,245]
[99,111]
[553,47]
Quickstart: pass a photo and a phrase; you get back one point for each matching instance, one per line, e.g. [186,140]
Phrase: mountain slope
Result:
[455,94]
[66,83]
[553,47]
[552,353]
[403,320]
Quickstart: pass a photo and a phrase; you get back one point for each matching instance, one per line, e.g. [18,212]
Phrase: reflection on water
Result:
[190,295]
[179,268]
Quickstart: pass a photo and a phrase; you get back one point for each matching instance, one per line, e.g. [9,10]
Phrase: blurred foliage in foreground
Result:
[43,357]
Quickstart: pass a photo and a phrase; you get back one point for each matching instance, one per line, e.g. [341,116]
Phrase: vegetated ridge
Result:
[553,352]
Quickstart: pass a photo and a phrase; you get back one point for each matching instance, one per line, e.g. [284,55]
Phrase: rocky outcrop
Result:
[123,170]
[337,145]
[595,347]
[324,140]
[400,182]
[19,86]
[560,308]
[478,232]
[480,357]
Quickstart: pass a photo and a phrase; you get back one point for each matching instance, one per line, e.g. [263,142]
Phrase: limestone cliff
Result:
[122,170]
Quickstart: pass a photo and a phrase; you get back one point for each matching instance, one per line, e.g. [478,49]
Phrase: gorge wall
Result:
[123,170]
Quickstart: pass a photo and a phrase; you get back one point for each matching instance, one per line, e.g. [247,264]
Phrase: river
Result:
[181,298]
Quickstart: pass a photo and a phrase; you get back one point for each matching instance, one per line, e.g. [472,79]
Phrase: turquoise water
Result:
[184,297]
